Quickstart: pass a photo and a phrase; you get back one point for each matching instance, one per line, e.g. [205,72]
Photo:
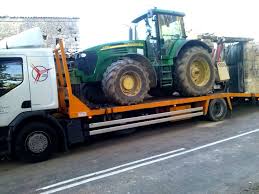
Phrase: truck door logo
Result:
[40,73]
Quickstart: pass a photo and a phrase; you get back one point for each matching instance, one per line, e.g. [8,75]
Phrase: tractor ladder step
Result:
[165,72]
[166,79]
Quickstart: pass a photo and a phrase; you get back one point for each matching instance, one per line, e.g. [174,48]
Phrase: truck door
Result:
[14,88]
[43,83]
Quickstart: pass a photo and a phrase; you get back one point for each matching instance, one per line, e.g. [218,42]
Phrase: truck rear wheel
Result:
[126,82]
[35,142]
[194,74]
[217,110]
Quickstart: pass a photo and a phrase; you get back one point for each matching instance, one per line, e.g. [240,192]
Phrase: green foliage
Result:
[3,75]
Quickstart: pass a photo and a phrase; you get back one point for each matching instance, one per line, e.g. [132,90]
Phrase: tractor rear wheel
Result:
[126,82]
[194,74]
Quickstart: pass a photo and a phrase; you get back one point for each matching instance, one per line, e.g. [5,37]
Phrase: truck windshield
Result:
[171,27]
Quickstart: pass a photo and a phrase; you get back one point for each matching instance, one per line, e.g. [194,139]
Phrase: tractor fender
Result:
[145,62]
[190,43]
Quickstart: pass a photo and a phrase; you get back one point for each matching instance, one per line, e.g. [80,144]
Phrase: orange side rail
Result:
[69,104]
[75,108]
[60,83]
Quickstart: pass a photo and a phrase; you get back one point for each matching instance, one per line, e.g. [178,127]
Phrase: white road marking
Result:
[109,169]
[146,163]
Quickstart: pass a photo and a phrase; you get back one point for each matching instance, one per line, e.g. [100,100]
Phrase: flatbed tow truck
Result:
[33,130]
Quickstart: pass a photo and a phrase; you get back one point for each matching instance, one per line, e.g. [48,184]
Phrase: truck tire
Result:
[217,110]
[35,142]
[194,73]
[125,82]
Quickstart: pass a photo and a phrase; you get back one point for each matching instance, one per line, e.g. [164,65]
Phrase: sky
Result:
[103,21]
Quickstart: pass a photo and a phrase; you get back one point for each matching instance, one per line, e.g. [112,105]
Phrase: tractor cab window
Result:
[171,27]
[145,29]
[11,74]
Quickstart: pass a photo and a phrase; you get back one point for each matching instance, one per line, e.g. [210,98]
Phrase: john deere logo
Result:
[40,73]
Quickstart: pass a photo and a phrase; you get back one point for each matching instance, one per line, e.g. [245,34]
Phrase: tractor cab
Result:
[161,29]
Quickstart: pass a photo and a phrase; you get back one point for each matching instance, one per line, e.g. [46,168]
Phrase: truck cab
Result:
[27,80]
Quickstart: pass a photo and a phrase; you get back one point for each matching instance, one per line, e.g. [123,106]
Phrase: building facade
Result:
[53,28]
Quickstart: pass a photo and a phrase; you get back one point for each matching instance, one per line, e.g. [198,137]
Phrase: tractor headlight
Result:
[140,51]
[83,55]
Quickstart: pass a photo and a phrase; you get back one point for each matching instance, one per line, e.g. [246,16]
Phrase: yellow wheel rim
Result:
[130,84]
[200,72]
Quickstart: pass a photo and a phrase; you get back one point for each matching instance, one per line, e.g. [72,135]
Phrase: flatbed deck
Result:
[170,101]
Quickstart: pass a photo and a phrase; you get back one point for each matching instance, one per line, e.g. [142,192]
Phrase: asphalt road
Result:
[194,156]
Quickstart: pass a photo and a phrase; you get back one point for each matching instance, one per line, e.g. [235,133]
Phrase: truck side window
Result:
[11,74]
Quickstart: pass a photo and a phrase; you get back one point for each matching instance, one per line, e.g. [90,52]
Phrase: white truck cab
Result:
[28,84]
[27,81]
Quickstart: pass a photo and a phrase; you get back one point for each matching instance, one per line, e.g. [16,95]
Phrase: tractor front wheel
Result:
[126,82]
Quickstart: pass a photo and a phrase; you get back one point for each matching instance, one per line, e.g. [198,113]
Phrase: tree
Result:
[3,75]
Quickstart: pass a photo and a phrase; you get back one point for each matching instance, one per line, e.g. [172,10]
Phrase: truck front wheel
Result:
[35,142]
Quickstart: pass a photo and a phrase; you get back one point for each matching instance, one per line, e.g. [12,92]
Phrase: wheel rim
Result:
[200,72]
[37,142]
[130,83]
[218,109]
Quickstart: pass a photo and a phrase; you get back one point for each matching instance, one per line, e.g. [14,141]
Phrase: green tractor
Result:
[157,60]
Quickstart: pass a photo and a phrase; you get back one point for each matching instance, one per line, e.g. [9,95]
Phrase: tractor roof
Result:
[158,11]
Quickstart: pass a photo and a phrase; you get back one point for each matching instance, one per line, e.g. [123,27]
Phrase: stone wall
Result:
[53,28]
